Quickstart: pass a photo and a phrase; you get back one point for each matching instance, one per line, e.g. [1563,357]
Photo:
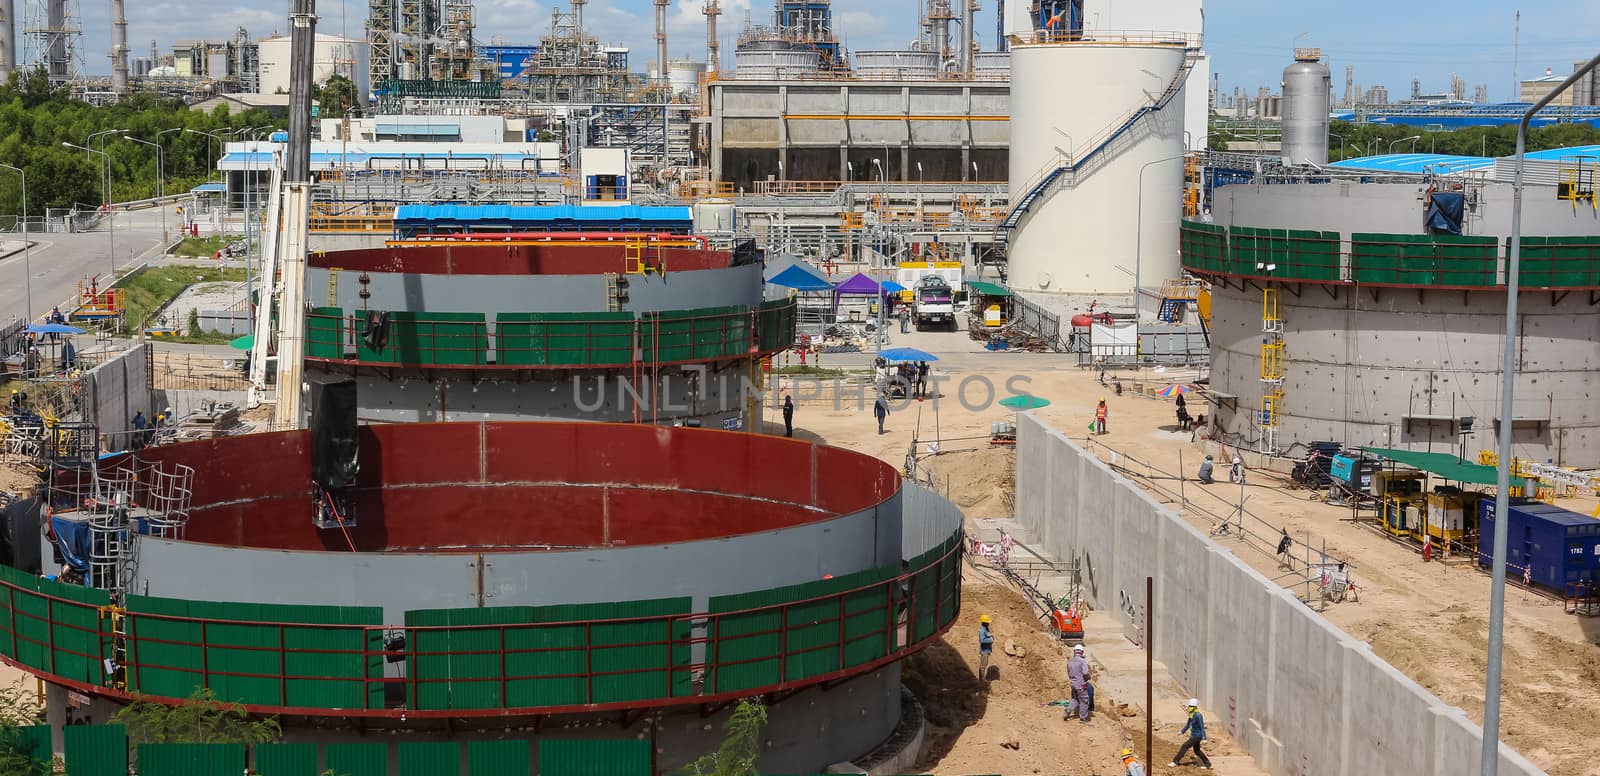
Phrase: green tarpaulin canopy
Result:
[1446,465]
[987,289]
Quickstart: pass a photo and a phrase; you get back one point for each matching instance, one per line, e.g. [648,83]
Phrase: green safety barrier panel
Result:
[285,759]
[35,740]
[248,652]
[1559,262]
[747,649]
[586,662]
[564,339]
[358,759]
[1424,260]
[690,335]
[775,325]
[1295,254]
[325,333]
[617,757]
[60,637]
[498,758]
[191,759]
[430,758]
[1204,246]
[96,750]
[936,590]
[446,339]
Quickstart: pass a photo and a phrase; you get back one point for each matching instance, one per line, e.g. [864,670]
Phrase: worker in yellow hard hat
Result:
[985,646]
[1130,762]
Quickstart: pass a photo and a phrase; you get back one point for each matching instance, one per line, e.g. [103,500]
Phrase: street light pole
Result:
[1138,235]
[111,220]
[27,261]
[161,183]
[1489,762]
[1393,143]
[883,178]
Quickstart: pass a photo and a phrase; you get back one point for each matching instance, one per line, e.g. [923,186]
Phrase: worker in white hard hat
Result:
[1078,676]
[1196,728]
[985,646]
[1236,471]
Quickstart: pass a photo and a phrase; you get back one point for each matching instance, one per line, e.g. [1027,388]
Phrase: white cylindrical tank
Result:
[713,216]
[1307,90]
[684,76]
[1083,234]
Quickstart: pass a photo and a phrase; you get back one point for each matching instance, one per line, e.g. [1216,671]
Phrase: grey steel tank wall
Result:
[1355,367]
[395,397]
[492,294]
[400,582]
[1297,693]
[1391,208]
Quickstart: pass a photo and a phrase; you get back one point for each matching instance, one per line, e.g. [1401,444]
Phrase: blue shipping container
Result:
[1553,546]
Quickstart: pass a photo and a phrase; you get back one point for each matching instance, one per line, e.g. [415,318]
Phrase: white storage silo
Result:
[1082,235]
[683,75]
[1307,90]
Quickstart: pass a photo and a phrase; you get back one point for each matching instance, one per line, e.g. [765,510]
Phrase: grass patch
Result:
[151,288]
[204,247]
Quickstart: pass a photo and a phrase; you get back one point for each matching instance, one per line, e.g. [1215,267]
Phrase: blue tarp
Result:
[797,278]
[1444,212]
[72,537]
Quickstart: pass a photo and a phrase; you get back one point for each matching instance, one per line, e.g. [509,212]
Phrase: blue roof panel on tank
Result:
[1416,163]
[538,214]
[1557,154]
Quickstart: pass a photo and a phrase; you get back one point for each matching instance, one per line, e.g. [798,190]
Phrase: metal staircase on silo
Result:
[1068,167]
[1272,351]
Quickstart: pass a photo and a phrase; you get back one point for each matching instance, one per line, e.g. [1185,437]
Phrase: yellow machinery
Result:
[1446,517]
[1387,483]
[1404,515]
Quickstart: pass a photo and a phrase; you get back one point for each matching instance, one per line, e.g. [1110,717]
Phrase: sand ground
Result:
[1428,620]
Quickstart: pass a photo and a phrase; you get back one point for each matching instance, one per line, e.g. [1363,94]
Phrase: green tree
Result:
[200,719]
[336,96]
[741,744]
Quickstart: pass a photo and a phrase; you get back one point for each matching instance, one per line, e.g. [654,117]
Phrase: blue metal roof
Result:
[263,158]
[209,188]
[538,214]
[1417,163]
[1557,154]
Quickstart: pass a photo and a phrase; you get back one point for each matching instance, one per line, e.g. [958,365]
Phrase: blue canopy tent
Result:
[799,279]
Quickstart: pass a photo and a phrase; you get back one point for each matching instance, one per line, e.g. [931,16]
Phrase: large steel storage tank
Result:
[775,60]
[1307,90]
[1081,235]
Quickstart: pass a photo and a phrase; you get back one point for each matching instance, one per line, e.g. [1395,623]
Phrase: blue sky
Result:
[1388,42]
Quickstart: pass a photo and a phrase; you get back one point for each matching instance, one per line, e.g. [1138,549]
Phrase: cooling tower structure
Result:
[1096,170]
[1307,91]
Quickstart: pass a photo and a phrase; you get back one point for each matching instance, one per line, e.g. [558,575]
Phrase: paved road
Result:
[58,262]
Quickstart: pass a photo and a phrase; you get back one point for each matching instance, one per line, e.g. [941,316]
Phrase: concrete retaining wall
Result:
[117,389]
[1301,695]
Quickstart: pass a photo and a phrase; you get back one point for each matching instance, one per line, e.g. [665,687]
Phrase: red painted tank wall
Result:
[474,486]
[468,259]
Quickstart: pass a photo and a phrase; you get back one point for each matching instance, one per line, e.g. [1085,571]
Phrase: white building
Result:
[332,54]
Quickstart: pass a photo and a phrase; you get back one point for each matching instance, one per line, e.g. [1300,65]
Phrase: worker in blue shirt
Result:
[1196,728]
[985,646]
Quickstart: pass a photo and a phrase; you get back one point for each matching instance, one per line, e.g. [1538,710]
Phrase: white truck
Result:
[934,303]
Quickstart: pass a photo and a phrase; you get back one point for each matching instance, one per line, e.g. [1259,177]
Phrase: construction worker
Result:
[985,646]
[788,416]
[1205,471]
[1196,728]
[19,402]
[1236,471]
[1130,762]
[880,409]
[1100,418]
[1078,676]
[1284,543]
